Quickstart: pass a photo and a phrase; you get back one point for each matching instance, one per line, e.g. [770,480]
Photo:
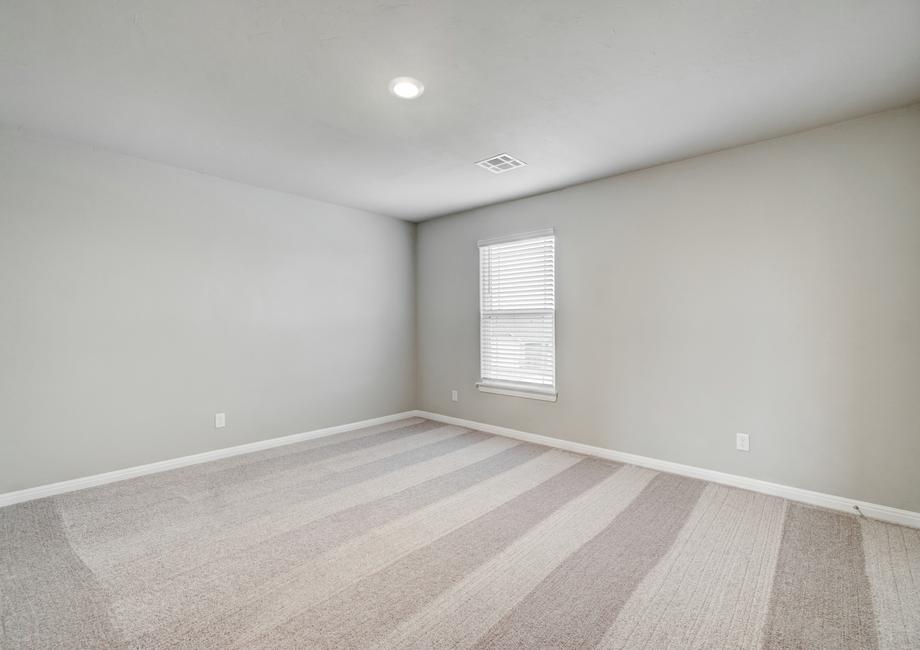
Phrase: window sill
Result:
[547,395]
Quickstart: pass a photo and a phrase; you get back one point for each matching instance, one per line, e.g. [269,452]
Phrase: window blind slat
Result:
[506,268]
[520,258]
[517,311]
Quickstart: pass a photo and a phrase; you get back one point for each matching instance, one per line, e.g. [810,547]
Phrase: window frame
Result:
[507,387]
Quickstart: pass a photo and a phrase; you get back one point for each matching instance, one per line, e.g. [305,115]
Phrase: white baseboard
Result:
[51,489]
[872,510]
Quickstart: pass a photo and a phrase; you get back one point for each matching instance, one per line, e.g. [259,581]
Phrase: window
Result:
[517,310]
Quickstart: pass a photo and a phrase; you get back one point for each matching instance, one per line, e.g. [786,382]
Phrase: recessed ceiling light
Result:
[406,87]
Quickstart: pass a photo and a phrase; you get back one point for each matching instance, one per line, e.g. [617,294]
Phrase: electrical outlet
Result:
[742,442]
[220,420]
[454,396]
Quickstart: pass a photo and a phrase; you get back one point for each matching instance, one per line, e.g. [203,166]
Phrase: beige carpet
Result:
[416,534]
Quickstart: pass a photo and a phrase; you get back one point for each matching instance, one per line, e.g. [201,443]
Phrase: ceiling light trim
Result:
[407,87]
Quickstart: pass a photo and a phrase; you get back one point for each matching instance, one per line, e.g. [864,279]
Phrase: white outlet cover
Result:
[454,396]
[220,420]
[742,442]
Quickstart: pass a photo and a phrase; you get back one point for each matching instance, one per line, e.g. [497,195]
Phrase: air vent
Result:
[501,163]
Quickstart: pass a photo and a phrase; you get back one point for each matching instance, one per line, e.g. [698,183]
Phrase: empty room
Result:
[458,324]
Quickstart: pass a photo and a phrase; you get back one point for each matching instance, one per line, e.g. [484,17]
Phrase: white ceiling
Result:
[292,94]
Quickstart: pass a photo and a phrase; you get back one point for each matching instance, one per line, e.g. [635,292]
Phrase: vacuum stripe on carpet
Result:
[484,596]
[269,604]
[215,578]
[821,595]
[402,587]
[714,582]
[577,602]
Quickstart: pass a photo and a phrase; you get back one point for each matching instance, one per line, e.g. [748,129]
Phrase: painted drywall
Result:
[137,300]
[293,95]
[772,289]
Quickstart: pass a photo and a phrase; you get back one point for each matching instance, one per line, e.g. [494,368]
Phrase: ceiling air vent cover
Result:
[500,163]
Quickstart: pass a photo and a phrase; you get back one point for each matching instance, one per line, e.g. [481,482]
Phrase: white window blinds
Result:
[518,313]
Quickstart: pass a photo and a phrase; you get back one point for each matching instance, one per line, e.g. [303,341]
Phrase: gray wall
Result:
[772,289]
[138,300]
